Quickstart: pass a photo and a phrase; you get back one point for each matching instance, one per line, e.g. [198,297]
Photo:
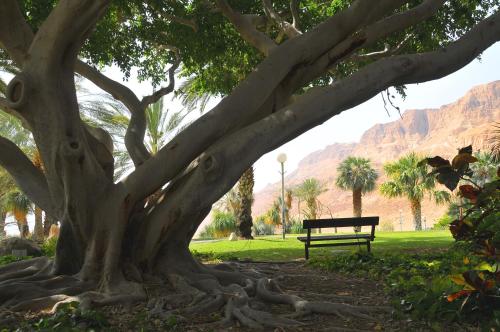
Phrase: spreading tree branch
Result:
[294,9]
[289,29]
[247,29]
[15,34]
[251,94]
[211,179]
[28,177]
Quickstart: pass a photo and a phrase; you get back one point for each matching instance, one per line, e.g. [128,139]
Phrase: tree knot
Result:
[17,91]
[210,166]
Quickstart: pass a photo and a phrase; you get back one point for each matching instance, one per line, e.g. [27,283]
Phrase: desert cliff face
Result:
[427,131]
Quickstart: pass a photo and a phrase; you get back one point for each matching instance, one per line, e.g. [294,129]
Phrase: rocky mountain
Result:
[430,132]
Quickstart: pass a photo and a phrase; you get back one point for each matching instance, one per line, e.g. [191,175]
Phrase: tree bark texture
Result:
[3,216]
[416,211]
[113,238]
[356,206]
[38,229]
[245,193]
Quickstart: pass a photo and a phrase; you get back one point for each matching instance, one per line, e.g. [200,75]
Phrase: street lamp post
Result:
[281,159]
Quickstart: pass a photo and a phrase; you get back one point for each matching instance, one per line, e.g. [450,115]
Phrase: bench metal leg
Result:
[307,251]
[368,246]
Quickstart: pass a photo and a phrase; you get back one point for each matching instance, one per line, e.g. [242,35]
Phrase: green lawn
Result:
[274,248]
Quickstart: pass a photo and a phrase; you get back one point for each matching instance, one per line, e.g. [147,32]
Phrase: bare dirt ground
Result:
[294,278]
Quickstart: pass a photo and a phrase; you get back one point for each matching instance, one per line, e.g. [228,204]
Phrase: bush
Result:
[4,260]
[223,224]
[295,227]
[386,226]
[49,247]
[443,222]
[417,283]
[260,226]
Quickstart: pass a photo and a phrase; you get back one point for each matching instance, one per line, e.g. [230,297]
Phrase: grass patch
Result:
[274,248]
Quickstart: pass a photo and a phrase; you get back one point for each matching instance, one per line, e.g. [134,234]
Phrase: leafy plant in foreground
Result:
[479,226]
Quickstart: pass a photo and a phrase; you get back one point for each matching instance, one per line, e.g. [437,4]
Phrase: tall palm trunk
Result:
[356,206]
[245,192]
[416,210]
[38,230]
[22,223]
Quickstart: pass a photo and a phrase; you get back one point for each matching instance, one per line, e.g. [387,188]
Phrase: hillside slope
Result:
[427,131]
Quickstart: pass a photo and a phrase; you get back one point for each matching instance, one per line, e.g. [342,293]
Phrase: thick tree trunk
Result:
[416,210]
[356,206]
[38,229]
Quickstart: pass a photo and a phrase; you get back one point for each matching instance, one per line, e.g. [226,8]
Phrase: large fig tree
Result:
[283,67]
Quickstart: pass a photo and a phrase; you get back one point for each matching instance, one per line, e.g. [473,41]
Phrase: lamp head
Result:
[281,158]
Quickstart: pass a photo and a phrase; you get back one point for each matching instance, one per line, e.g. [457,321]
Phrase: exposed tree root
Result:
[244,294]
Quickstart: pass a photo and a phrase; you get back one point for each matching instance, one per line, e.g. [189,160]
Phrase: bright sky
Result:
[350,125]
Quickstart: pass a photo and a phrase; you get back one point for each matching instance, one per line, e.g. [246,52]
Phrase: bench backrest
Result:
[340,222]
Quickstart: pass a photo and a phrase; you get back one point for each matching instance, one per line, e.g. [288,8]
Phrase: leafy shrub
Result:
[386,226]
[222,225]
[417,283]
[49,247]
[4,260]
[261,227]
[479,227]
[443,222]
[295,227]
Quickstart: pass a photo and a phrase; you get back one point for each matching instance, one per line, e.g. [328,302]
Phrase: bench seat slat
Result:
[335,237]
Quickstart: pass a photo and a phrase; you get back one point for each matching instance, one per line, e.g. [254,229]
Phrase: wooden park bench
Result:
[340,239]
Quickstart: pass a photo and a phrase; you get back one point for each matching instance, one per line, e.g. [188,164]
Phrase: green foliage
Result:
[417,283]
[69,317]
[4,260]
[308,191]
[356,174]
[49,247]
[261,227]
[295,227]
[478,226]
[222,225]
[443,222]
[408,178]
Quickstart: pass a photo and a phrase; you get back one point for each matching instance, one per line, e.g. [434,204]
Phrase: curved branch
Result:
[117,90]
[29,178]
[151,99]
[289,29]
[15,33]
[247,30]
[294,9]
[363,38]
[76,19]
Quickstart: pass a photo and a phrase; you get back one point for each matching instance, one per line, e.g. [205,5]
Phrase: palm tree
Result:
[356,174]
[485,168]
[308,191]
[245,195]
[272,216]
[408,178]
